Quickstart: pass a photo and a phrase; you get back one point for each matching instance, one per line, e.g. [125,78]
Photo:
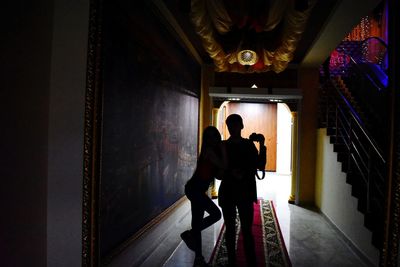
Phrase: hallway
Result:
[103,103]
[310,239]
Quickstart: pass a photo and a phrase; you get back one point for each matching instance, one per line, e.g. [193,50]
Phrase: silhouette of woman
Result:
[210,165]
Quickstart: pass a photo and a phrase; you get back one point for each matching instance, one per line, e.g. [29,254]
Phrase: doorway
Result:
[274,121]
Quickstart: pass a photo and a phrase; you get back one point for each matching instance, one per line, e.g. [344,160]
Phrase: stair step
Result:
[345,166]
[339,147]
[362,206]
[370,221]
[377,240]
[350,179]
[335,139]
[374,223]
[342,157]
[331,131]
[358,189]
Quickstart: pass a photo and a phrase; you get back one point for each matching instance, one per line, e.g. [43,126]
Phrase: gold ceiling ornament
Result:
[205,29]
[211,19]
[247,57]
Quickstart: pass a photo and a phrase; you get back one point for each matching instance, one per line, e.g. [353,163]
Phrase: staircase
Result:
[353,107]
[363,159]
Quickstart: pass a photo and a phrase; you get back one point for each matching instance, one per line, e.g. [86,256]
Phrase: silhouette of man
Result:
[238,188]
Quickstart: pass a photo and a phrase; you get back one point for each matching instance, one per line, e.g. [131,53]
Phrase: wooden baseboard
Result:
[145,229]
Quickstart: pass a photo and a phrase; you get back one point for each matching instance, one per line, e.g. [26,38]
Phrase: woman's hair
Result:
[211,137]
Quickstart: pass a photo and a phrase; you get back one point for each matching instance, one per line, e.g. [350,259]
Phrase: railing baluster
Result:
[349,171]
[336,124]
[369,180]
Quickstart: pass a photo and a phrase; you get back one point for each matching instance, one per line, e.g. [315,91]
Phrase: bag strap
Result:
[262,176]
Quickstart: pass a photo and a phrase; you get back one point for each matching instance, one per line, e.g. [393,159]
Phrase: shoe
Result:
[187,237]
[232,264]
[200,262]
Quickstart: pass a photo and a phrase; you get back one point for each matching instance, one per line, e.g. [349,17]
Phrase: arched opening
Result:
[274,121]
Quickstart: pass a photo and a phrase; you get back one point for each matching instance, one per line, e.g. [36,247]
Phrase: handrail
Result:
[349,106]
[357,119]
[366,74]
[376,38]
[382,42]
[357,64]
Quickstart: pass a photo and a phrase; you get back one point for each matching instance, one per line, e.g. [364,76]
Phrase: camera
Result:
[255,137]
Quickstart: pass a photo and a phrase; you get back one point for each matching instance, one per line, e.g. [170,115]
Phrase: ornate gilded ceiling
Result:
[250,36]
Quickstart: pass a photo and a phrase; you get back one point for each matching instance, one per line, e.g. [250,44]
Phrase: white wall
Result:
[335,201]
[66,122]
[284,143]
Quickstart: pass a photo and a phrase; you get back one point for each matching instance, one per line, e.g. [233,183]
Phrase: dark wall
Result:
[24,98]
[150,121]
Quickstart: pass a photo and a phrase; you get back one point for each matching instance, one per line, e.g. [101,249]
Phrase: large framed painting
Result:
[142,125]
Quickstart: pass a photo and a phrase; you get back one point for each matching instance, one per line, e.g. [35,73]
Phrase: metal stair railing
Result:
[365,74]
[362,158]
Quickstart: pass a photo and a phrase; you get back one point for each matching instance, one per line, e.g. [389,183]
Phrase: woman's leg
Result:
[197,222]
[200,203]
[213,211]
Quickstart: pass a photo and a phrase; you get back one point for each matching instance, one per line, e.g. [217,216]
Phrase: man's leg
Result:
[246,211]
[229,213]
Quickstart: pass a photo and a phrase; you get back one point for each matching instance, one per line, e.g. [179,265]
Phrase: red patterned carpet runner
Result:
[270,247]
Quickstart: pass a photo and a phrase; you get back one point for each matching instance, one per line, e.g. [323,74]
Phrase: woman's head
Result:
[211,136]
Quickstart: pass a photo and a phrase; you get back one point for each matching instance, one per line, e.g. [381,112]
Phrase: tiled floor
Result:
[310,239]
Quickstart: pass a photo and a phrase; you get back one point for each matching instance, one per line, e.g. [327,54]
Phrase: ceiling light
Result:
[254,86]
[247,57]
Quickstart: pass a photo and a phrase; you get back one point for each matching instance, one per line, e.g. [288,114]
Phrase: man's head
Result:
[235,124]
